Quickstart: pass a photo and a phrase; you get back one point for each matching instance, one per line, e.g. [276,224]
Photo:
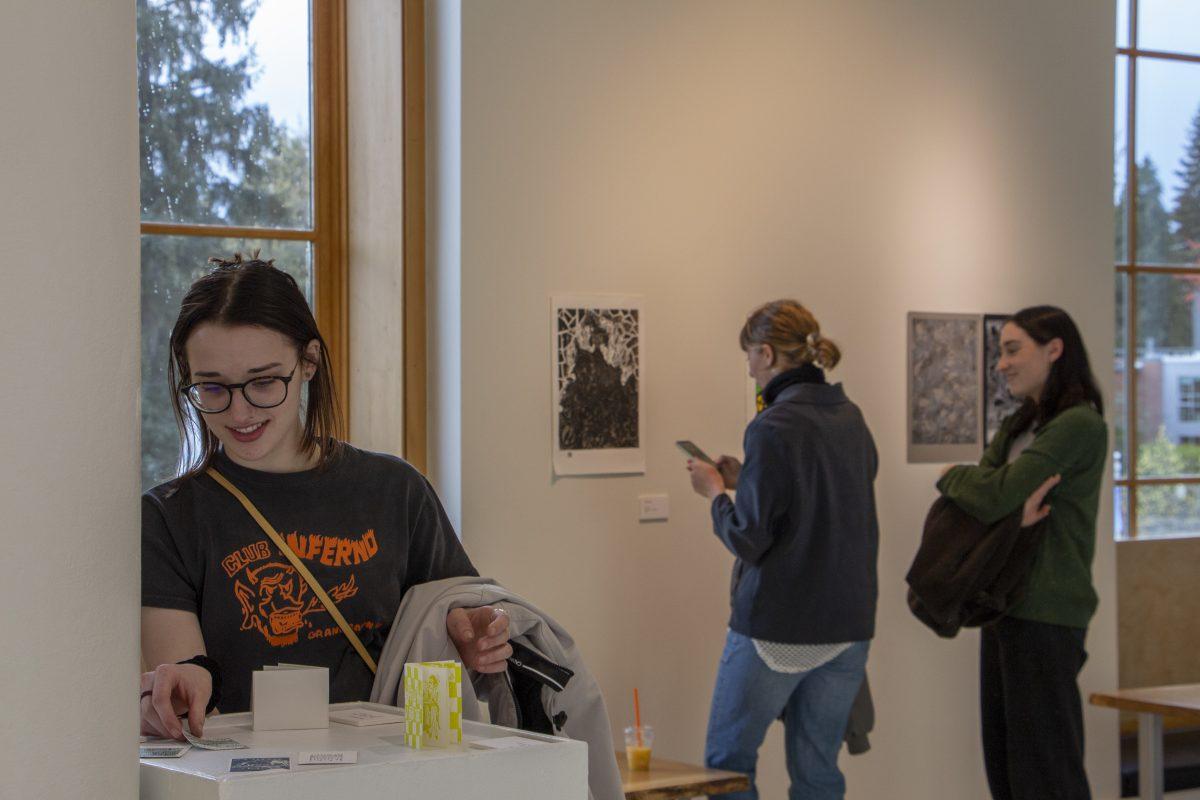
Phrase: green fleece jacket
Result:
[1075,445]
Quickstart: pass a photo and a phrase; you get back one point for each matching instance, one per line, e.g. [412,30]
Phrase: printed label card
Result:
[432,703]
[328,757]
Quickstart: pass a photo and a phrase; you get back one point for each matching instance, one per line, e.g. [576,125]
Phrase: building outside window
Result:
[1189,404]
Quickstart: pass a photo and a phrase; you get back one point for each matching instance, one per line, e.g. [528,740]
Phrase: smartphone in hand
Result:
[693,451]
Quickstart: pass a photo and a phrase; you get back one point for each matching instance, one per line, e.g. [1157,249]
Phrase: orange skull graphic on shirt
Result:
[276,599]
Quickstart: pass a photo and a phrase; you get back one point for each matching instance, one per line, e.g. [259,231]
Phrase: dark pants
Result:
[1031,711]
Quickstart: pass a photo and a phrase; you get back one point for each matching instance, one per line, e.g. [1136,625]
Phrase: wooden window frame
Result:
[328,234]
[415,371]
[1132,269]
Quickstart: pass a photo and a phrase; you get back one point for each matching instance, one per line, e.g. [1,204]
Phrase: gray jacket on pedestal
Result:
[419,634]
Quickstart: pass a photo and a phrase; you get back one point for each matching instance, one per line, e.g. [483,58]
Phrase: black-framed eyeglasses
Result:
[268,391]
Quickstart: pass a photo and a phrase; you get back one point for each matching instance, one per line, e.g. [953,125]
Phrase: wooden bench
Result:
[668,780]
[1152,704]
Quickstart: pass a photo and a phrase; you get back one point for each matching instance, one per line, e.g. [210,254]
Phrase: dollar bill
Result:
[214,743]
[162,750]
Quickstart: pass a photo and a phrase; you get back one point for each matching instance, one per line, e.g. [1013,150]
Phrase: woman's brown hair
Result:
[793,332]
[254,292]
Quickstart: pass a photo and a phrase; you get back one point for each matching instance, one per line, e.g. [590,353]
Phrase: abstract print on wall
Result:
[945,390]
[597,378]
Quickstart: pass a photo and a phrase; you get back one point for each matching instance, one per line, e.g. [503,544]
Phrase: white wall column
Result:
[443,37]
[69,452]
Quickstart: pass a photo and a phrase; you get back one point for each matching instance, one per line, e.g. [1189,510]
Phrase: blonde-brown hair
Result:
[792,331]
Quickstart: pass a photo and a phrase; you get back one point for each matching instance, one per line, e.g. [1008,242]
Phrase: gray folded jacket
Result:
[419,634]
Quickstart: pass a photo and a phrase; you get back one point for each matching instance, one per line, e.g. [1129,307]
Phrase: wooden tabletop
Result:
[673,779]
[1174,701]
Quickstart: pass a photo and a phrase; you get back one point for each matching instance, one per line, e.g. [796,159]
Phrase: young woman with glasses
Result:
[219,600]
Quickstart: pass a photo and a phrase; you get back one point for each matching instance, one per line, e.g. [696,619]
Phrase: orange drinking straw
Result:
[637,716]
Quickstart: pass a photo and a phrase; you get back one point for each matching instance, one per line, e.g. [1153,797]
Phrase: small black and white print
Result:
[998,402]
[259,764]
[598,380]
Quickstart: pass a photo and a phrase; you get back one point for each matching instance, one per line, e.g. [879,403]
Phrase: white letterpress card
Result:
[360,717]
[290,697]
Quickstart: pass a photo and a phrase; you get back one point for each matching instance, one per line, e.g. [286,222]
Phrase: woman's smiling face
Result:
[1024,363]
[265,439]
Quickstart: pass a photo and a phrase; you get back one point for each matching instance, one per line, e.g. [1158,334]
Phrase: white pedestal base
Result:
[549,769]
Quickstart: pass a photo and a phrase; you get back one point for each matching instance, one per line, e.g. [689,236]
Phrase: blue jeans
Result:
[749,696]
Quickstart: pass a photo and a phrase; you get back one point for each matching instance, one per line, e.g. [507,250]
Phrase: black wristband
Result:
[214,669]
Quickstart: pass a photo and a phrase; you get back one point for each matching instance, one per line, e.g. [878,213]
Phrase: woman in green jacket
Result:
[1030,660]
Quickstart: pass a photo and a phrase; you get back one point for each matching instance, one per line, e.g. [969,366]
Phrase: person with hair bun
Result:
[1056,441]
[804,532]
[219,599]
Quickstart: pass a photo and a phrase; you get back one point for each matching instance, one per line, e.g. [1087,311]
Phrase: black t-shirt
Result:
[368,527]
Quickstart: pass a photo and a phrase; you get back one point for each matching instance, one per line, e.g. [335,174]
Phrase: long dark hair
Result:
[253,292]
[1070,381]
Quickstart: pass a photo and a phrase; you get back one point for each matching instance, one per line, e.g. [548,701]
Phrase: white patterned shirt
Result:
[791,659]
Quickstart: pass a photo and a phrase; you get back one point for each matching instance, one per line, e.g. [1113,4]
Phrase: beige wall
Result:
[868,158]
[1159,611]
[375,106]
[69,580]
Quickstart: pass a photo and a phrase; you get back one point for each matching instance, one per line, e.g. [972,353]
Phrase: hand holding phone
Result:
[693,451]
[730,469]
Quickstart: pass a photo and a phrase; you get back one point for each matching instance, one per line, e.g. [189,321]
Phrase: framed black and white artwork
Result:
[998,402]
[598,369]
[945,389]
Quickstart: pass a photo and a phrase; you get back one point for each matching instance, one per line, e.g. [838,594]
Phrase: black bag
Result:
[528,673]
[966,573]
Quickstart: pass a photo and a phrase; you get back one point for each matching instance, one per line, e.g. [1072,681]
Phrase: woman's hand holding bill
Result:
[172,690]
[481,636]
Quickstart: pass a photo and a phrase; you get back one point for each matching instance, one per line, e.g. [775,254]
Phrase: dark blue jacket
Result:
[803,526]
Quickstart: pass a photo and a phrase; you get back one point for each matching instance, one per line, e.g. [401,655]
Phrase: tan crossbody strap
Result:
[299,565]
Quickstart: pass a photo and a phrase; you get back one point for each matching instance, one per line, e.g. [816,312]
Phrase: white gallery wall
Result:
[866,158]
[69,521]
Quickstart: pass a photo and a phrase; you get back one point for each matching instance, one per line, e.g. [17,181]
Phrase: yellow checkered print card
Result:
[432,703]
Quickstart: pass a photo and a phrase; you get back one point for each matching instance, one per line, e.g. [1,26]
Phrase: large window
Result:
[243,148]
[1157,150]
